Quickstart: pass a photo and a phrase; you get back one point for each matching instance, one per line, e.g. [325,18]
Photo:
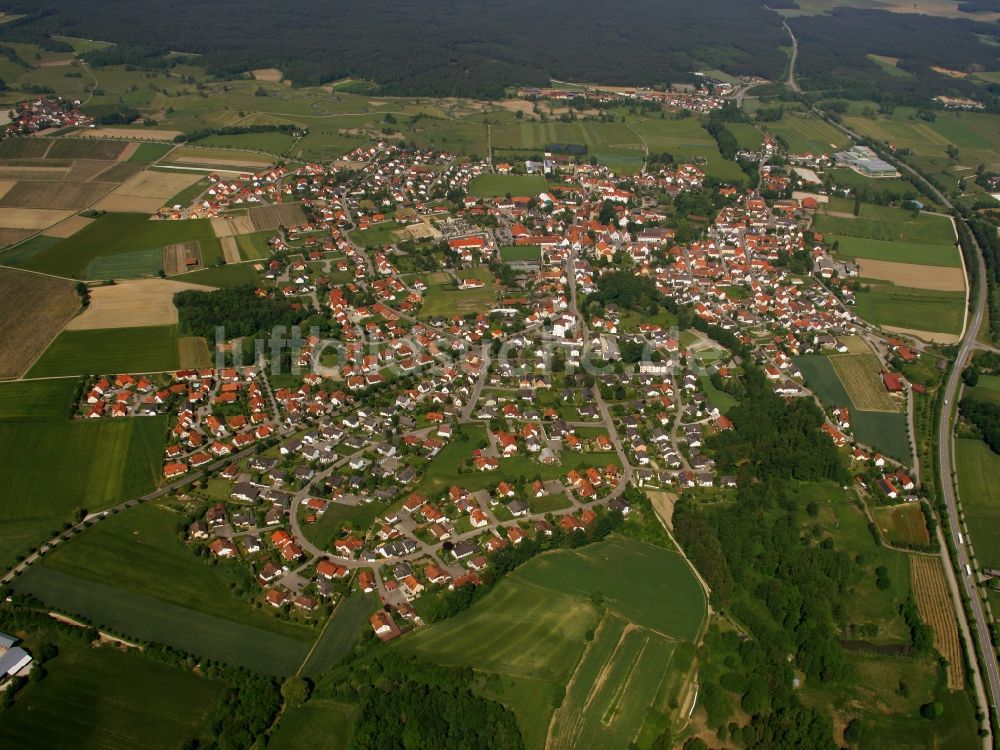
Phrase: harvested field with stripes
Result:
[230,249]
[860,374]
[232,226]
[935,605]
[181,257]
[269,218]
[53,303]
[53,195]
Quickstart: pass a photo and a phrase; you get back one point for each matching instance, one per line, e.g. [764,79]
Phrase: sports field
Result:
[489,185]
[52,466]
[109,351]
[97,699]
[978,468]
[113,234]
[520,253]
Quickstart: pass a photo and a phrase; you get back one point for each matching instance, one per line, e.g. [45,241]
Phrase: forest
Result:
[833,53]
[439,47]
[239,310]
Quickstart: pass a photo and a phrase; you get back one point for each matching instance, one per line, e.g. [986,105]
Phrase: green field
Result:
[320,724]
[719,399]
[897,252]
[918,309]
[270,143]
[530,630]
[150,619]
[230,275]
[806,133]
[102,698]
[138,551]
[254,246]
[686,140]
[130,265]
[110,351]
[490,185]
[39,400]
[349,621]
[150,152]
[513,254]
[978,467]
[889,224]
[113,234]
[53,466]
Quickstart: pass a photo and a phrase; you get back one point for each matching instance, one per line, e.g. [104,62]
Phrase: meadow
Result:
[444,299]
[903,524]
[889,224]
[230,275]
[341,633]
[112,234]
[804,132]
[150,619]
[40,400]
[53,466]
[977,468]
[110,351]
[93,699]
[910,308]
[320,724]
[515,254]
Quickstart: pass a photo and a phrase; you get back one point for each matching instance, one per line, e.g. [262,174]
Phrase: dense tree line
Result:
[239,310]
[198,135]
[986,417]
[434,48]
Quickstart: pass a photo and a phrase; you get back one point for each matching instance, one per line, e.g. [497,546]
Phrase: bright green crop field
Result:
[110,351]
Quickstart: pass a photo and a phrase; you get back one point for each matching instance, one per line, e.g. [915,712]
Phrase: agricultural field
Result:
[348,622]
[110,235]
[852,248]
[928,314]
[148,191]
[379,235]
[268,143]
[75,148]
[444,299]
[686,140]
[269,218]
[254,246]
[804,132]
[150,152]
[490,185]
[978,467]
[937,610]
[148,618]
[903,524]
[887,224]
[530,630]
[320,724]
[223,159]
[110,350]
[22,400]
[25,337]
[54,195]
[860,374]
[97,698]
[231,275]
[933,278]
[193,352]
[52,465]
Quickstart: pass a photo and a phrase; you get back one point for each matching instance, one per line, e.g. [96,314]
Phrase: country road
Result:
[792,83]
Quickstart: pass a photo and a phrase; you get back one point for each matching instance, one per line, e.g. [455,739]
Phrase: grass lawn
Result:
[103,698]
[110,351]
[896,252]
[150,619]
[320,724]
[490,185]
[889,224]
[902,524]
[919,309]
[717,398]
[978,468]
[523,252]
[379,235]
[270,143]
[549,503]
[687,140]
[138,551]
[52,466]
[349,620]
[327,528]
[112,234]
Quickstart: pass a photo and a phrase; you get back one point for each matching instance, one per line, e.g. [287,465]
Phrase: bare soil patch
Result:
[162,185]
[948,72]
[663,504]
[913,275]
[135,302]
[52,303]
[5,186]
[271,75]
[119,171]
[69,227]
[43,194]
[934,337]
[230,250]
[127,152]
[31,218]
[181,257]
[268,218]
[518,105]
[142,134]
[232,226]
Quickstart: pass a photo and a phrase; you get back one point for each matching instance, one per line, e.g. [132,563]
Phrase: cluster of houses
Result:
[35,115]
